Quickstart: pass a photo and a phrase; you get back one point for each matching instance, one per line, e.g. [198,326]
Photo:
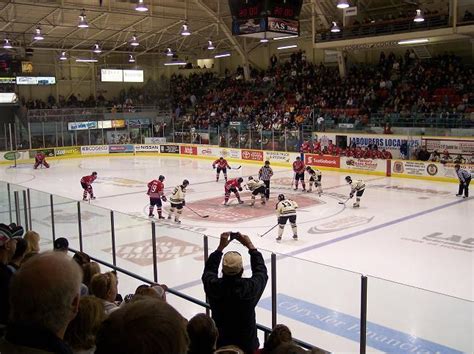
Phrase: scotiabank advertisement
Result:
[322,160]
[252,155]
[188,150]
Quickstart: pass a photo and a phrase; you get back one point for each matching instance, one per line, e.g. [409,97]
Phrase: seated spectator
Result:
[61,244]
[434,157]
[7,250]
[233,298]
[104,286]
[229,349]
[157,291]
[81,332]
[459,159]
[38,319]
[280,334]
[446,157]
[19,255]
[423,154]
[202,332]
[81,258]
[90,269]
[32,238]
[148,326]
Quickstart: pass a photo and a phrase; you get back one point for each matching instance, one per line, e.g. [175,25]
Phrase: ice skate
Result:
[92,198]
[278,238]
[458,195]
[151,215]
[169,217]
[177,221]
[295,237]
[84,199]
[356,205]
[241,201]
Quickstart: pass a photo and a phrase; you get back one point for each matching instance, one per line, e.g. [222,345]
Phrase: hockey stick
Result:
[236,168]
[268,230]
[345,201]
[195,212]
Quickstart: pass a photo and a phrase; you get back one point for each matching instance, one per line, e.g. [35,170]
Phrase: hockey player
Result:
[40,159]
[357,188]
[286,210]
[256,187]
[464,180]
[298,168]
[265,174]
[86,183]
[155,191]
[177,201]
[233,186]
[222,165]
[314,179]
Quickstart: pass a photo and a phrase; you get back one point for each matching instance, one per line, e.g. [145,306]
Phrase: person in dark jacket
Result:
[233,298]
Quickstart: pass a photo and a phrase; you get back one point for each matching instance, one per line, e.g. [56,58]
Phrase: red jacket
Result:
[221,163]
[298,166]
[155,189]
[232,183]
[88,179]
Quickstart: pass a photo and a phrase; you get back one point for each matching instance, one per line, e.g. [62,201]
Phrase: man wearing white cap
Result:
[233,298]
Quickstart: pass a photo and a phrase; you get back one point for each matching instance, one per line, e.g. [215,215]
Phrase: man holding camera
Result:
[233,298]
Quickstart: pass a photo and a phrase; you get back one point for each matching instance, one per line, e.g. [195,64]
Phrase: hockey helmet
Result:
[161,178]
[221,158]
[298,158]
[308,168]
[348,179]
[94,173]
[185,183]
[240,180]
[267,162]
[457,166]
[281,197]
[250,178]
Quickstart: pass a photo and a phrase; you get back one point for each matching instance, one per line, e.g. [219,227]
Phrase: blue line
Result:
[338,239]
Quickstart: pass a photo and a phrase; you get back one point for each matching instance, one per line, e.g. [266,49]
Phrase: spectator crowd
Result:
[52,303]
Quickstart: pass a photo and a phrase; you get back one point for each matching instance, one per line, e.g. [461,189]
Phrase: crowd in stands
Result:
[284,95]
[370,152]
[52,303]
[423,154]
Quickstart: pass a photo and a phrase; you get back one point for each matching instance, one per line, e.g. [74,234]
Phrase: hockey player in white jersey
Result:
[177,201]
[256,187]
[286,210]
[314,179]
[357,188]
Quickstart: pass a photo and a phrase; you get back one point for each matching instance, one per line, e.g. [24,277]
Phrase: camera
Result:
[234,235]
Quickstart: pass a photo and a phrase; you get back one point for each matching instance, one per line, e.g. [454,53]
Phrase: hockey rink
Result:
[413,239]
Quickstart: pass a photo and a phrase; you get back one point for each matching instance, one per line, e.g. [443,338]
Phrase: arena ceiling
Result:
[112,23]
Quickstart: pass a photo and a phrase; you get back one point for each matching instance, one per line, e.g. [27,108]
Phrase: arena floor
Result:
[414,239]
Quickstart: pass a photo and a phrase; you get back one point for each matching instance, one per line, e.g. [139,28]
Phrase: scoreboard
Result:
[255,17]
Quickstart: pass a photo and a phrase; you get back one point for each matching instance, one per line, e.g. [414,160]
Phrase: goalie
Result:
[256,187]
[40,160]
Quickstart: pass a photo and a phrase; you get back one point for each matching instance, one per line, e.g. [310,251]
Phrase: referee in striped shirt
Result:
[464,180]
[264,174]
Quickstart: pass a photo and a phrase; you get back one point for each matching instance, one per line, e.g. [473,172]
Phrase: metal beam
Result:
[81,29]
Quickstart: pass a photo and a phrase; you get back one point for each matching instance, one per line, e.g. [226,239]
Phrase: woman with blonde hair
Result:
[89,270]
[81,331]
[32,248]
[104,286]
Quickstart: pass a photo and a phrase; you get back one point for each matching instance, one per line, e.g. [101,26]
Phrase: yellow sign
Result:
[27,67]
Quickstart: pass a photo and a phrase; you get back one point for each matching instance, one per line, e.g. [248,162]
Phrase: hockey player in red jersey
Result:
[40,159]
[298,168]
[233,186]
[222,165]
[86,183]
[155,191]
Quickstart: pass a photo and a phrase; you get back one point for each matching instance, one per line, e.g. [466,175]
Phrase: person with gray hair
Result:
[44,298]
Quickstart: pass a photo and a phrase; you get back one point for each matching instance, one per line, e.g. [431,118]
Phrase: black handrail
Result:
[263,328]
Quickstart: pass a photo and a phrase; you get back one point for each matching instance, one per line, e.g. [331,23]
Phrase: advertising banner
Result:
[207,151]
[291,27]
[252,155]
[169,149]
[82,125]
[454,146]
[229,153]
[147,148]
[188,150]
[155,140]
[322,160]
[427,169]
[94,149]
[369,165]
[14,155]
[121,148]
[68,151]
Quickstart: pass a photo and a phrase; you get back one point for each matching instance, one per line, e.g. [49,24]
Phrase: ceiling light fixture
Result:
[6,44]
[223,55]
[264,39]
[79,60]
[63,56]
[418,17]
[97,49]
[38,36]
[335,28]
[169,52]
[284,37]
[141,7]
[342,4]
[175,63]
[288,46]
[210,45]
[185,31]
[134,41]
[131,59]
[414,41]
[82,20]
